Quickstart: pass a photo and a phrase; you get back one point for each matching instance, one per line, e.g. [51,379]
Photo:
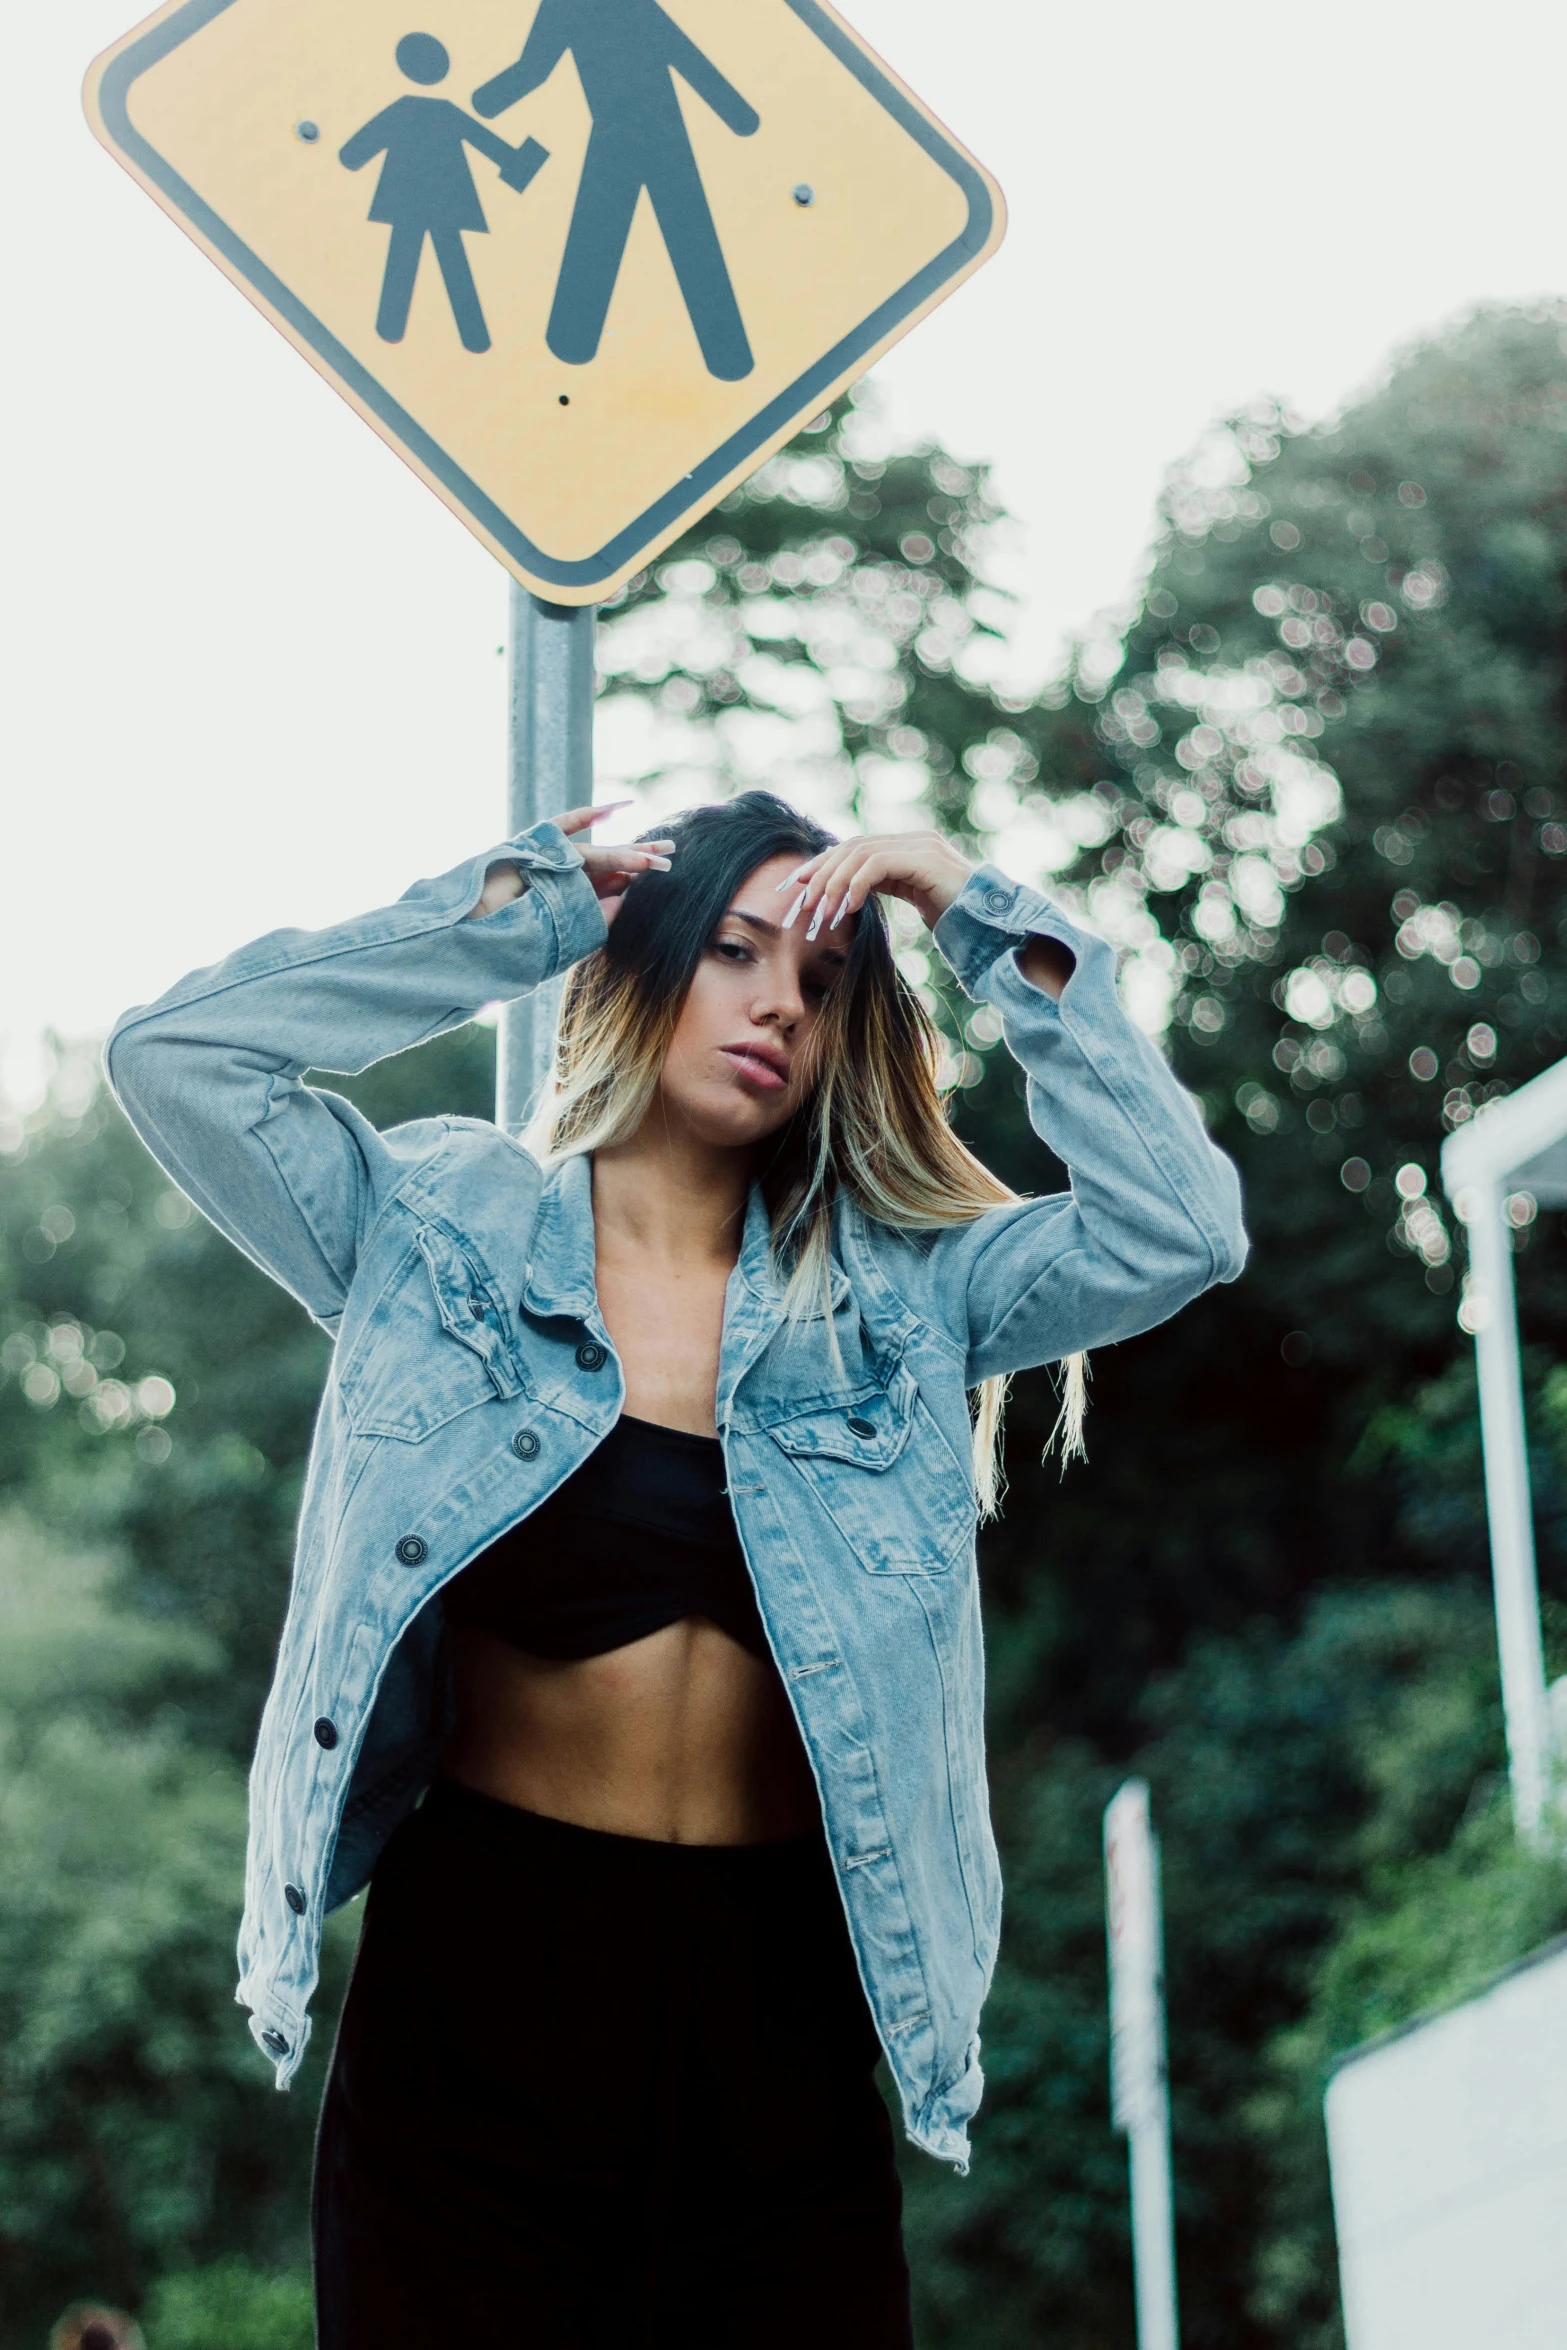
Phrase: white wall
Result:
[1449,2154]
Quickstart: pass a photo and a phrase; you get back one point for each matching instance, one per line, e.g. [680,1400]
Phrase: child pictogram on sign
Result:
[426,190]
[628,54]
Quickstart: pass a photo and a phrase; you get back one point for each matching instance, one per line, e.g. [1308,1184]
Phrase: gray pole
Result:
[1526,1706]
[1139,2086]
[549,769]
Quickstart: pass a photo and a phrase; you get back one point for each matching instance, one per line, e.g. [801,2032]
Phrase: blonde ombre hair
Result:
[872,1124]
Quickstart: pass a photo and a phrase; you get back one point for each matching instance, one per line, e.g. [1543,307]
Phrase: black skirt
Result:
[594,2091]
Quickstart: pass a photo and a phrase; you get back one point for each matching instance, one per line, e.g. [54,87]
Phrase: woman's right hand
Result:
[610,870]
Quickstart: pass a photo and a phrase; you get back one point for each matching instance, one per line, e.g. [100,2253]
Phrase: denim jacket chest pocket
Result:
[887,1477]
[435,1342]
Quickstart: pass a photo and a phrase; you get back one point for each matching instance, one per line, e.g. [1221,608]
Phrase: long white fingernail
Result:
[790,878]
[658,864]
[789,918]
[843,908]
[816,920]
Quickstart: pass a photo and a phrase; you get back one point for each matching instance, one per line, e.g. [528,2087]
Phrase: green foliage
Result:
[137,2122]
[231,2306]
[1342,985]
[1329,836]
[109,1280]
[828,633]
[1290,1774]
[1431,1934]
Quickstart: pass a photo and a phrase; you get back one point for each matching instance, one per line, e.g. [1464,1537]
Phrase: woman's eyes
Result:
[740,950]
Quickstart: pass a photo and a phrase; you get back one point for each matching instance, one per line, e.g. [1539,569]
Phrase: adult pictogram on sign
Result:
[627,54]
[426,190]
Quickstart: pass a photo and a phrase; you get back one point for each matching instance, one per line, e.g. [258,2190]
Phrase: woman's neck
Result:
[666,1198]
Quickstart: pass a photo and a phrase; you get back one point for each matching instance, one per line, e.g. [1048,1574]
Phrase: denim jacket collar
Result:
[560,1277]
[755,1264]
[758,1264]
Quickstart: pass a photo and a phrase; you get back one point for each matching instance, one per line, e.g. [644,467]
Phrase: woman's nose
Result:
[782,1006]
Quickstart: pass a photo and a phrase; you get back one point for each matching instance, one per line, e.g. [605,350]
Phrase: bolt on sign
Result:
[583,263]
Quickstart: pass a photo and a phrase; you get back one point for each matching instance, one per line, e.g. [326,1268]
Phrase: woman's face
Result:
[737,1064]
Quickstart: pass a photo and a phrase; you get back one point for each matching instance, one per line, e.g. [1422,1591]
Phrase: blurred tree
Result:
[1317,795]
[232,2303]
[829,632]
[1317,791]
[138,2127]
[155,1391]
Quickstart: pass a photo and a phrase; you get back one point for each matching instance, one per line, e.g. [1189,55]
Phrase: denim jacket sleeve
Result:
[212,1075]
[1153,1216]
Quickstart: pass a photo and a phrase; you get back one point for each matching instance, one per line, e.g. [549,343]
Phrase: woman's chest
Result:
[667,1328]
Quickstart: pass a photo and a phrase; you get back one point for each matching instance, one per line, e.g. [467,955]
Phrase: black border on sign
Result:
[126,69]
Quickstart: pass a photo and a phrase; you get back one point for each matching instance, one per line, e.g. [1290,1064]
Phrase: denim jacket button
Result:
[998,900]
[591,1356]
[295,1900]
[525,1445]
[412,1551]
[274,2040]
[326,1733]
[859,1427]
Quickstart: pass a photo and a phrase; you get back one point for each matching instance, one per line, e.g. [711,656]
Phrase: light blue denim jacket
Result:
[472,1373]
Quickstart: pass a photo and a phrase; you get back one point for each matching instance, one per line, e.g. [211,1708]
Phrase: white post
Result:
[1494,1319]
[549,769]
[1139,2088]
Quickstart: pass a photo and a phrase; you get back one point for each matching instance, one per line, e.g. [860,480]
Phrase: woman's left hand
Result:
[922,868]
[609,871]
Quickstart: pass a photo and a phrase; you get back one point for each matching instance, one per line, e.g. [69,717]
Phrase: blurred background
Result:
[1227,597]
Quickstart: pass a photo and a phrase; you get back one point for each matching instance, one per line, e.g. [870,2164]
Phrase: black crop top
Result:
[641,1535]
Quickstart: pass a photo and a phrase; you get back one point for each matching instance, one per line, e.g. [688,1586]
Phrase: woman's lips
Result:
[755,1070]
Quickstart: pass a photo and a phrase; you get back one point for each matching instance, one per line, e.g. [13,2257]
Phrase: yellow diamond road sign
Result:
[584,263]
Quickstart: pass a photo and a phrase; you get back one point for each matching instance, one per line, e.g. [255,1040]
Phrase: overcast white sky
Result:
[251,669]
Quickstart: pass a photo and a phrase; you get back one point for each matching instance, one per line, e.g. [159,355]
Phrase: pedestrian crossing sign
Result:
[583,263]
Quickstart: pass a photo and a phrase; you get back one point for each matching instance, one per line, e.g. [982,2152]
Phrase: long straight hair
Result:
[872,1124]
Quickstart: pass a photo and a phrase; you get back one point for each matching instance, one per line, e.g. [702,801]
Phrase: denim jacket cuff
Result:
[554,874]
[992,916]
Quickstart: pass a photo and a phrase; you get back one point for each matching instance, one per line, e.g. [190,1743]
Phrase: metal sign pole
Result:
[549,769]
[1139,2088]
[1525,1703]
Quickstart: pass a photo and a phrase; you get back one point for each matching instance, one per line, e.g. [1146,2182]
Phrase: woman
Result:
[639,1532]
